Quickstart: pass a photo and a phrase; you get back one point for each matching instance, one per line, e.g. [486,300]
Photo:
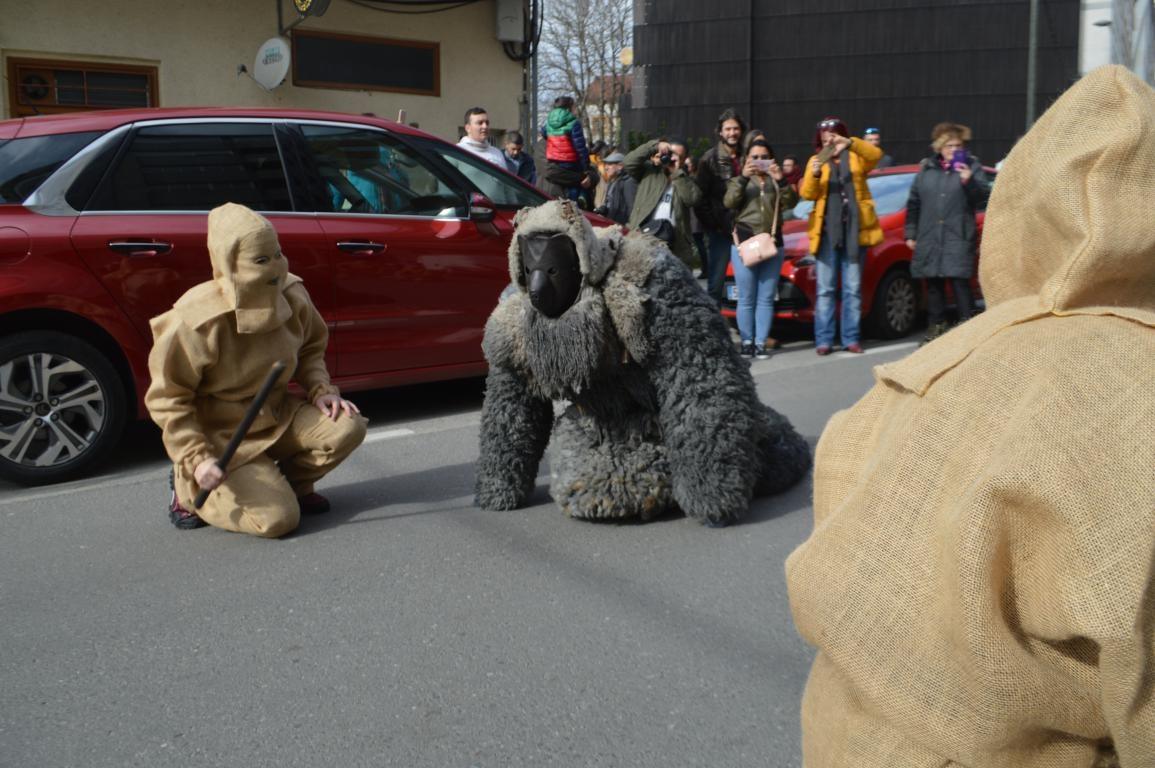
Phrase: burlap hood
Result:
[253,292]
[980,580]
[1069,228]
[595,254]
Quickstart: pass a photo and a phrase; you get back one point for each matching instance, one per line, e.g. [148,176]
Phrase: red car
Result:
[401,239]
[891,300]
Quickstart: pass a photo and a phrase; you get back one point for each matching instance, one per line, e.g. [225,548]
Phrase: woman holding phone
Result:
[940,223]
[758,196]
[843,225]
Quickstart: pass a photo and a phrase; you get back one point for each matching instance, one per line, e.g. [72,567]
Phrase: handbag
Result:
[756,249]
[760,247]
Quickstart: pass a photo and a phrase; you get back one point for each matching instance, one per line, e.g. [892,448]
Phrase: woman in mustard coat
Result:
[842,226]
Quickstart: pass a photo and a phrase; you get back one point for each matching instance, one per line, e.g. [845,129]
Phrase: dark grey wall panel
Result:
[900,65]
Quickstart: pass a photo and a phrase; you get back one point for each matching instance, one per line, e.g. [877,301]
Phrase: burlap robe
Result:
[979,579]
[210,355]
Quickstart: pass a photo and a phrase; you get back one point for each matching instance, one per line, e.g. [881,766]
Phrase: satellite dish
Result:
[272,63]
[311,7]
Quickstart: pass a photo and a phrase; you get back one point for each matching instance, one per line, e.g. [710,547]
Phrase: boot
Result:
[933,332]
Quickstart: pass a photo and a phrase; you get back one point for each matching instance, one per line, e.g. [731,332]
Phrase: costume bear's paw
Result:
[608,473]
[497,498]
[783,454]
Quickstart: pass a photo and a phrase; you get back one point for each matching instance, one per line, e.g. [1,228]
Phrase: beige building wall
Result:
[197,47]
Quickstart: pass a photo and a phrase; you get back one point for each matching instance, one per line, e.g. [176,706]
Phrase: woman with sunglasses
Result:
[842,226]
[758,196]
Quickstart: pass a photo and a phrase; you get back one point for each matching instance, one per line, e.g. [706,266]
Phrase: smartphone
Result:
[763,166]
[960,157]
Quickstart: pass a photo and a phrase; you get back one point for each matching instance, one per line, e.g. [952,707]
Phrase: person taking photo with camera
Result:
[665,195]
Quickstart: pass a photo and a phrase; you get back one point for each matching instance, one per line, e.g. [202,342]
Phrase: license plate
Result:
[731,292]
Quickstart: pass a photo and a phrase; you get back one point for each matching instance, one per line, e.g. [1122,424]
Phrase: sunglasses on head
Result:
[829,124]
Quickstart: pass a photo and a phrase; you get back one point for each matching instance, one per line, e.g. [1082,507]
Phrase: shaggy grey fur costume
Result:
[662,411]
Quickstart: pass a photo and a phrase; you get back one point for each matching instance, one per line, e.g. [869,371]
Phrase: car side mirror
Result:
[481,208]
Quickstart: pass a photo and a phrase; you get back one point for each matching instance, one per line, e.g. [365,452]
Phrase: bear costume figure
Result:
[660,411]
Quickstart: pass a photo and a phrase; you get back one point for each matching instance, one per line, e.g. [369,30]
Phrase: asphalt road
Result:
[406,627]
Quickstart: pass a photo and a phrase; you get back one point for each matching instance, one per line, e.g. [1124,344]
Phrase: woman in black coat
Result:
[940,222]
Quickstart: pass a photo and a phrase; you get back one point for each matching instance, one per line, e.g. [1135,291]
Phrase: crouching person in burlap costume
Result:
[662,413]
[980,580]
[211,353]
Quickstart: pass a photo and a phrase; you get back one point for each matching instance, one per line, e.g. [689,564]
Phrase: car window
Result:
[802,209]
[503,190]
[890,192]
[368,171]
[196,167]
[26,163]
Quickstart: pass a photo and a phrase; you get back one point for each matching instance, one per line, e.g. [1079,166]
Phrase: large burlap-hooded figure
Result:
[980,581]
[211,353]
[662,412]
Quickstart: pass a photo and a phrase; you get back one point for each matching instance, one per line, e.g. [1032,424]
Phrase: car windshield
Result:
[503,190]
[889,193]
[26,163]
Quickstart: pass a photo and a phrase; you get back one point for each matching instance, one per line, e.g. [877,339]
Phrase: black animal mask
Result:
[552,271]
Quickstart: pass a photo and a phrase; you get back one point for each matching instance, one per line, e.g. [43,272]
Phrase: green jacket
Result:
[652,182]
[753,206]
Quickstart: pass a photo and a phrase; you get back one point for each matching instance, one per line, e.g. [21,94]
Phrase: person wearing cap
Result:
[843,224]
[212,352]
[518,159]
[621,189]
[874,136]
[980,579]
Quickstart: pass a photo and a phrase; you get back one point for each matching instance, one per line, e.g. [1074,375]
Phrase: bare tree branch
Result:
[580,56]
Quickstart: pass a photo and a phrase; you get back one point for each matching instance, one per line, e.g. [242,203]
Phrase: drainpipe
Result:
[1032,63]
[750,65]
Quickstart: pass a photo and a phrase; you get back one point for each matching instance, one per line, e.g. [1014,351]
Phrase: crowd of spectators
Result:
[704,208]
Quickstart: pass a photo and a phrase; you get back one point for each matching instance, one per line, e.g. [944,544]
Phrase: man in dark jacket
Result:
[718,165]
[520,162]
[666,193]
[621,189]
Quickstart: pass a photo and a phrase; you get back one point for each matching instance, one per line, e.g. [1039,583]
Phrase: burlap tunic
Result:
[211,353]
[979,581]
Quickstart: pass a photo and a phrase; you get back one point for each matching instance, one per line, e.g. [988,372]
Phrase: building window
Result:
[327,60]
[47,87]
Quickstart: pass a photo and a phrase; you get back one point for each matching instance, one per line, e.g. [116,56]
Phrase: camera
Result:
[666,158]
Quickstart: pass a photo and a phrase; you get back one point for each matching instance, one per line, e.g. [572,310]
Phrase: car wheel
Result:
[895,305]
[62,406]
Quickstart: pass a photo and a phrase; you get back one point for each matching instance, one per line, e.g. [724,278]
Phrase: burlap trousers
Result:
[260,497]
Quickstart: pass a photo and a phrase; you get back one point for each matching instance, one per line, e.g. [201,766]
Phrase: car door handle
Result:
[360,246]
[140,248]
